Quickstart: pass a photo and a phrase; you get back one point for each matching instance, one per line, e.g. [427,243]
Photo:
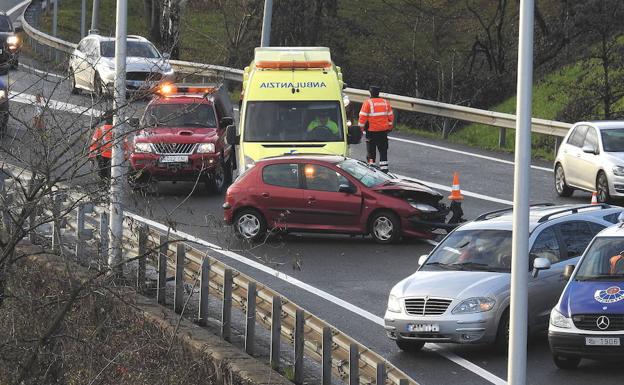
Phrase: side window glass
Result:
[576,236]
[284,175]
[596,228]
[322,178]
[578,136]
[591,139]
[546,246]
[613,218]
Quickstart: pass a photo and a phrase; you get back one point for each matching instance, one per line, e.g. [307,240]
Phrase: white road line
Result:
[472,154]
[19,97]
[320,293]
[18,6]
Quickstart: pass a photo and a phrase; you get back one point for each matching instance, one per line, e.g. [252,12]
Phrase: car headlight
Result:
[425,208]
[248,162]
[206,148]
[12,40]
[168,72]
[3,94]
[474,305]
[559,320]
[618,170]
[143,147]
[394,305]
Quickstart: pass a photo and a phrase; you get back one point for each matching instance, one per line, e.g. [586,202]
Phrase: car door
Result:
[572,156]
[326,207]
[78,62]
[92,56]
[280,195]
[588,162]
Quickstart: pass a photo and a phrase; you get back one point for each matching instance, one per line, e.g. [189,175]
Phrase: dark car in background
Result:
[10,45]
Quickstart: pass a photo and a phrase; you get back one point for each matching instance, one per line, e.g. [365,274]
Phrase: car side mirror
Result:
[346,188]
[231,136]
[133,122]
[567,272]
[354,135]
[226,121]
[18,28]
[540,264]
[422,259]
[589,150]
[166,55]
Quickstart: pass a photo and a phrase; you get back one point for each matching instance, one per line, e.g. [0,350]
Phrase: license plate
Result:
[174,159]
[427,328]
[602,341]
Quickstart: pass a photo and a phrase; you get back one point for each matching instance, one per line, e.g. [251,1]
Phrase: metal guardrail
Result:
[405,103]
[187,258]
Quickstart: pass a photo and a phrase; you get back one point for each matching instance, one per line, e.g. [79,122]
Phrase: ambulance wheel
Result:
[410,346]
[566,362]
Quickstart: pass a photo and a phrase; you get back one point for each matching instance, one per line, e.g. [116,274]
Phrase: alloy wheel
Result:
[602,189]
[383,228]
[248,225]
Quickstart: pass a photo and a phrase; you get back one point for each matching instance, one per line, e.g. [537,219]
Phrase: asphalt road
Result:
[354,269]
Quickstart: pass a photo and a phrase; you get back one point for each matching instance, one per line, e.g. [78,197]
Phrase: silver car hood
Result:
[453,284]
[615,158]
[140,64]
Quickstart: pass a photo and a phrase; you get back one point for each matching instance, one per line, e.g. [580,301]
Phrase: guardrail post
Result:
[381,374]
[502,136]
[276,329]
[178,298]
[326,364]
[80,213]
[103,232]
[250,324]
[204,288]
[299,346]
[162,270]
[6,214]
[140,277]
[57,241]
[354,365]
[226,313]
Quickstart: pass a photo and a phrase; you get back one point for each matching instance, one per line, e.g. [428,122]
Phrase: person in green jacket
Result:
[323,121]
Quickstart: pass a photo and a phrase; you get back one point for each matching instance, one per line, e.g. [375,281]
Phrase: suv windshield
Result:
[179,115]
[5,24]
[613,140]
[603,261]
[133,48]
[474,250]
[283,121]
[369,176]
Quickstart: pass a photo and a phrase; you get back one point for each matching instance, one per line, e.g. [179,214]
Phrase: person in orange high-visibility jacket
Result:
[616,264]
[376,118]
[101,148]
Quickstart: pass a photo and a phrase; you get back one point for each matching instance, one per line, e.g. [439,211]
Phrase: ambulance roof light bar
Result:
[291,64]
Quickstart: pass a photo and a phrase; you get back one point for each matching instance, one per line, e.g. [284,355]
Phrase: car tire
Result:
[385,227]
[566,362]
[98,88]
[72,83]
[250,225]
[410,346]
[221,178]
[14,63]
[562,188]
[602,188]
[502,334]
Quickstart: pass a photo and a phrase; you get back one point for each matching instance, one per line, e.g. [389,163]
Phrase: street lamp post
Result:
[266,23]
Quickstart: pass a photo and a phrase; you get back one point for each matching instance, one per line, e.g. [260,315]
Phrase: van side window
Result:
[282,174]
[546,246]
[578,136]
[576,236]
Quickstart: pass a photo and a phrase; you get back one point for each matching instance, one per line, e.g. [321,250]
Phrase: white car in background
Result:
[591,158]
[92,65]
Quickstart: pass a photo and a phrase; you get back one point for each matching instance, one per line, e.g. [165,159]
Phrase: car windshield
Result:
[474,250]
[179,115]
[5,24]
[369,176]
[613,140]
[133,48]
[284,121]
[603,261]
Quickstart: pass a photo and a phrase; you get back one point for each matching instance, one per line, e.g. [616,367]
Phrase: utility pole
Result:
[55,18]
[95,15]
[266,23]
[83,16]
[117,159]
[516,363]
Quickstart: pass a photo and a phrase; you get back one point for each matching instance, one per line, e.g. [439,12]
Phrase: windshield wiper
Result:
[614,277]
[194,124]
[440,264]
[476,266]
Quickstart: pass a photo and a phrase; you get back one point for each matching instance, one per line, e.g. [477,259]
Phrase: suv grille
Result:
[429,306]
[174,148]
[590,322]
[142,76]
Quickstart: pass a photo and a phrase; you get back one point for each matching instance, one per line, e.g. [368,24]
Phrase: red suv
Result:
[329,193]
[182,138]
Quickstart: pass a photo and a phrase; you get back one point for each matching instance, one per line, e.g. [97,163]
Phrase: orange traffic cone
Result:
[594,200]
[455,191]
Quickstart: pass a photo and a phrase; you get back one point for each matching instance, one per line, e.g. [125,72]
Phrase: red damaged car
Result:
[334,194]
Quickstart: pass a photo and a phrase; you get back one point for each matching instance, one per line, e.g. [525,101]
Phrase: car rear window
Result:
[283,175]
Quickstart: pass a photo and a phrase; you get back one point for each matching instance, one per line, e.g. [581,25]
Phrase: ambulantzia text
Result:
[293,85]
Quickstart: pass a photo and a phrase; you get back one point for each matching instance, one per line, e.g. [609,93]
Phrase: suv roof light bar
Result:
[492,214]
[574,210]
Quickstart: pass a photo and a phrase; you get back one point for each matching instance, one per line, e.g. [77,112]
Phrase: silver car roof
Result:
[603,124]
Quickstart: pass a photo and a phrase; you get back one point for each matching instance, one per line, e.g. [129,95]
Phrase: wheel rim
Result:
[248,225]
[559,179]
[383,228]
[603,188]
[219,176]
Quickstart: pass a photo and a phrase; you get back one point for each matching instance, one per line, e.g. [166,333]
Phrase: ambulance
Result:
[292,102]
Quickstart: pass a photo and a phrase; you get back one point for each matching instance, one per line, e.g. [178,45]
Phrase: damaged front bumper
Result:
[435,222]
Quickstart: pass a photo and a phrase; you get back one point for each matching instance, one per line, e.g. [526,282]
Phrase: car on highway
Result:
[10,44]
[588,321]
[591,158]
[461,291]
[181,137]
[92,65]
[334,194]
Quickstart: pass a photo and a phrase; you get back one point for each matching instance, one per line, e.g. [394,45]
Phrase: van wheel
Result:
[385,227]
[502,335]
[410,346]
[566,363]
[249,225]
